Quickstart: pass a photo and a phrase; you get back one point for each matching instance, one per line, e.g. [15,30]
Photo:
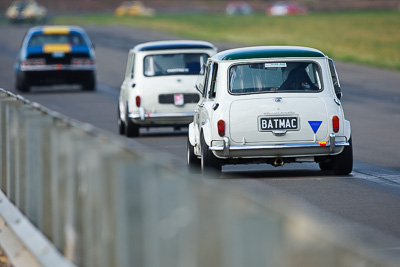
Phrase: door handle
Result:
[201,105]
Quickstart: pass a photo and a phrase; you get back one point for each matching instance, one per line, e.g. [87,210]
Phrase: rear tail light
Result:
[335,124]
[221,128]
[138,100]
[82,61]
[33,62]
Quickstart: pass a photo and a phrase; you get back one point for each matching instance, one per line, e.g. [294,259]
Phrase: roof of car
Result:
[55,29]
[172,45]
[268,52]
[44,46]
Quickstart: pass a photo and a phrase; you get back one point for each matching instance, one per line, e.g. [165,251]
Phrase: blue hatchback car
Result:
[56,55]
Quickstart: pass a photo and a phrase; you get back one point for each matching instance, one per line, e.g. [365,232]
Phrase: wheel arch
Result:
[206,133]
[347,129]
[192,134]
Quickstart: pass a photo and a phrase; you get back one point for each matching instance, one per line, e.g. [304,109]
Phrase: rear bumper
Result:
[162,119]
[56,76]
[331,147]
[58,67]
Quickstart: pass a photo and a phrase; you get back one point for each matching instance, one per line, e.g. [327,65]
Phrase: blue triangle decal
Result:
[315,125]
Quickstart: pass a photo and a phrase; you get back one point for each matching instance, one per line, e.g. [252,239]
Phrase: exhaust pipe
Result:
[279,162]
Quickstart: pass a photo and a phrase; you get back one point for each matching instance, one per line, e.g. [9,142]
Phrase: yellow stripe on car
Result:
[51,48]
[56,30]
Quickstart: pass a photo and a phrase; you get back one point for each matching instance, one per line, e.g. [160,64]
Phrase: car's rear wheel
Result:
[325,165]
[131,128]
[121,123]
[89,84]
[342,164]
[22,84]
[193,162]
[210,164]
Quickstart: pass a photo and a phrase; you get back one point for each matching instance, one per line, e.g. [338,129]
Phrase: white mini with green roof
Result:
[269,104]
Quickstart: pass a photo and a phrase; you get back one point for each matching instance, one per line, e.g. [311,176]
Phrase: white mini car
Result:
[271,104]
[159,84]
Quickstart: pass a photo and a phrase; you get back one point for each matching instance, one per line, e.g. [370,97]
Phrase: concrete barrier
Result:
[93,199]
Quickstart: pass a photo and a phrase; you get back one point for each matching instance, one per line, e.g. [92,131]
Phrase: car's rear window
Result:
[174,64]
[42,39]
[275,77]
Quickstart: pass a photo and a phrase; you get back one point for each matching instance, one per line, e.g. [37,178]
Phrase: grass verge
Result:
[364,37]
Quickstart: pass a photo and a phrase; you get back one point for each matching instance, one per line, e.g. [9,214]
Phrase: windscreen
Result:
[275,77]
[42,39]
[174,64]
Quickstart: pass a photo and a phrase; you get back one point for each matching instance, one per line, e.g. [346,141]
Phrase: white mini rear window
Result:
[174,64]
[275,77]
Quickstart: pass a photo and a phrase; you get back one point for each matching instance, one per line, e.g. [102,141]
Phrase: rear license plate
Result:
[179,100]
[58,54]
[278,123]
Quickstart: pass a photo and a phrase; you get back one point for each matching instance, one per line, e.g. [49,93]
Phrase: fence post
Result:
[4,138]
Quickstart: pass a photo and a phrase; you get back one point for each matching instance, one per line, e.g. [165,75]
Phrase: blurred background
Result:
[354,25]
[164,6]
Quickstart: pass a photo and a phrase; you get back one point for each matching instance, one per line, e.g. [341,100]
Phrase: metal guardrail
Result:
[97,200]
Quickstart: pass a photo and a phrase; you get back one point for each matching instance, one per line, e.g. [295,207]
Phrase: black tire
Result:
[210,164]
[89,84]
[131,128]
[325,165]
[193,162]
[121,124]
[22,84]
[342,164]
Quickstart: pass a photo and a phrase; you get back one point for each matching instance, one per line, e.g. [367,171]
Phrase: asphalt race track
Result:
[368,199]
